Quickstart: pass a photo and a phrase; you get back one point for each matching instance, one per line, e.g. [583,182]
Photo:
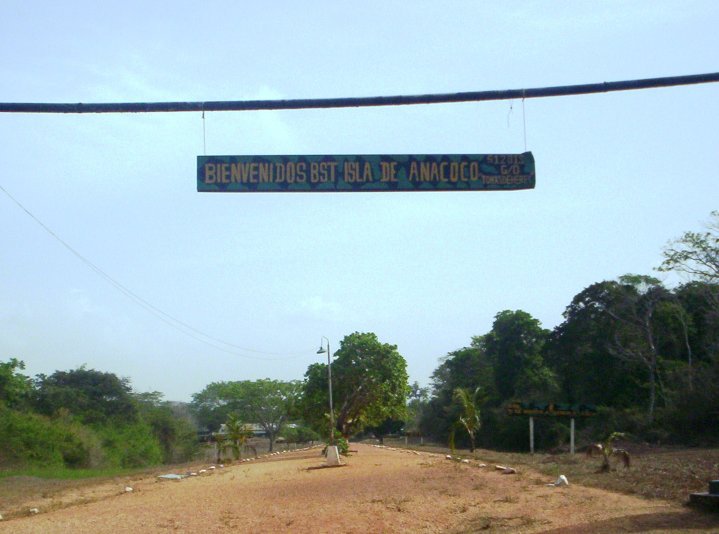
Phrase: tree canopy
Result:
[514,346]
[695,253]
[268,403]
[648,355]
[92,396]
[87,418]
[15,388]
[369,380]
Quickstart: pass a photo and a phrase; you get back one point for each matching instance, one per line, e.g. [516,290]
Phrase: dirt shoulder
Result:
[379,490]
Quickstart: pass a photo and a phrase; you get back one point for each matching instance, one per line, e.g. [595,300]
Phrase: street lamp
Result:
[329,378]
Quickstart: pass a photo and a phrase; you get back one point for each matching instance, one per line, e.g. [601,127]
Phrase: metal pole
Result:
[531,434]
[571,436]
[329,377]
[323,103]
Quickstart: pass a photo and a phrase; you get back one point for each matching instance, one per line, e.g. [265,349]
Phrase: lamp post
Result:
[329,379]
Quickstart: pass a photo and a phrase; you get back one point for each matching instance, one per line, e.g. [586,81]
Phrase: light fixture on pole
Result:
[329,379]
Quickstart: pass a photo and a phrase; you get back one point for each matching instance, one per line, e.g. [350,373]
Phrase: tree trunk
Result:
[652,364]
[652,392]
[685,331]
[606,466]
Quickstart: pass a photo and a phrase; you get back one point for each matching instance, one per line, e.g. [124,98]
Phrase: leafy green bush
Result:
[632,421]
[31,439]
[343,445]
[24,438]
[131,445]
[299,434]
[15,388]
[511,433]
[177,437]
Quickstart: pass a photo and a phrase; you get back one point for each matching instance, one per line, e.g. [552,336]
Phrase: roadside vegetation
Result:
[86,420]
[644,354]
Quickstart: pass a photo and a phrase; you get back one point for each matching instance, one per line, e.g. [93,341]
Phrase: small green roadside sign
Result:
[332,173]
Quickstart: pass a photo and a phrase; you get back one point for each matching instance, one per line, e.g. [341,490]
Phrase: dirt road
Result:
[378,490]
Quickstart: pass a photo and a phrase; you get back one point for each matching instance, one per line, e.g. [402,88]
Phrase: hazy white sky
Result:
[618,175]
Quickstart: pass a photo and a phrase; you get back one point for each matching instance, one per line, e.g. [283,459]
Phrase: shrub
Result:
[27,439]
[131,445]
[177,437]
[31,439]
[299,434]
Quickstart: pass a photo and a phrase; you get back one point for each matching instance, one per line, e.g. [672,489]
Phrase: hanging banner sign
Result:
[433,172]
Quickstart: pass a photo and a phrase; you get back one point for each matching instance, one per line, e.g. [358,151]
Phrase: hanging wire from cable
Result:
[524,124]
[165,317]
[204,136]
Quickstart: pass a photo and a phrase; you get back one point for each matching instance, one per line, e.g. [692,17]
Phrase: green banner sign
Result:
[434,172]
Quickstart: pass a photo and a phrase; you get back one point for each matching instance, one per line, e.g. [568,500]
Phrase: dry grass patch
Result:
[656,472]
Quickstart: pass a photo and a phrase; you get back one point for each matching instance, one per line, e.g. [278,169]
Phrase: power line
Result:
[168,319]
[356,102]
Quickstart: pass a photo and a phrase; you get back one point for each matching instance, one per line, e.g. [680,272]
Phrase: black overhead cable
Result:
[399,100]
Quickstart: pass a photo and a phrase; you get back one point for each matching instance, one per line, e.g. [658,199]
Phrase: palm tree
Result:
[237,433]
[607,449]
[221,441]
[469,417]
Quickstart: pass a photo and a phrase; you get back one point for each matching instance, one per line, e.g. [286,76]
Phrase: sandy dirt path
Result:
[379,490]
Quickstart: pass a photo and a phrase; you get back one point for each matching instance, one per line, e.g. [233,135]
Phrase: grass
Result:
[64,473]
[656,472]
[18,484]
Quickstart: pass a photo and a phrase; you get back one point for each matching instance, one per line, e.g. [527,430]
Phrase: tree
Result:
[15,388]
[469,415]
[92,396]
[221,442]
[170,424]
[268,403]
[315,398]
[697,300]
[416,404]
[631,304]
[369,385]
[578,351]
[385,428]
[514,346]
[607,450]
[213,405]
[468,367]
[237,434]
[298,433]
[695,253]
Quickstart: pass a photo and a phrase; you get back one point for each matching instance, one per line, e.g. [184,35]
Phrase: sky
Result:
[134,272]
